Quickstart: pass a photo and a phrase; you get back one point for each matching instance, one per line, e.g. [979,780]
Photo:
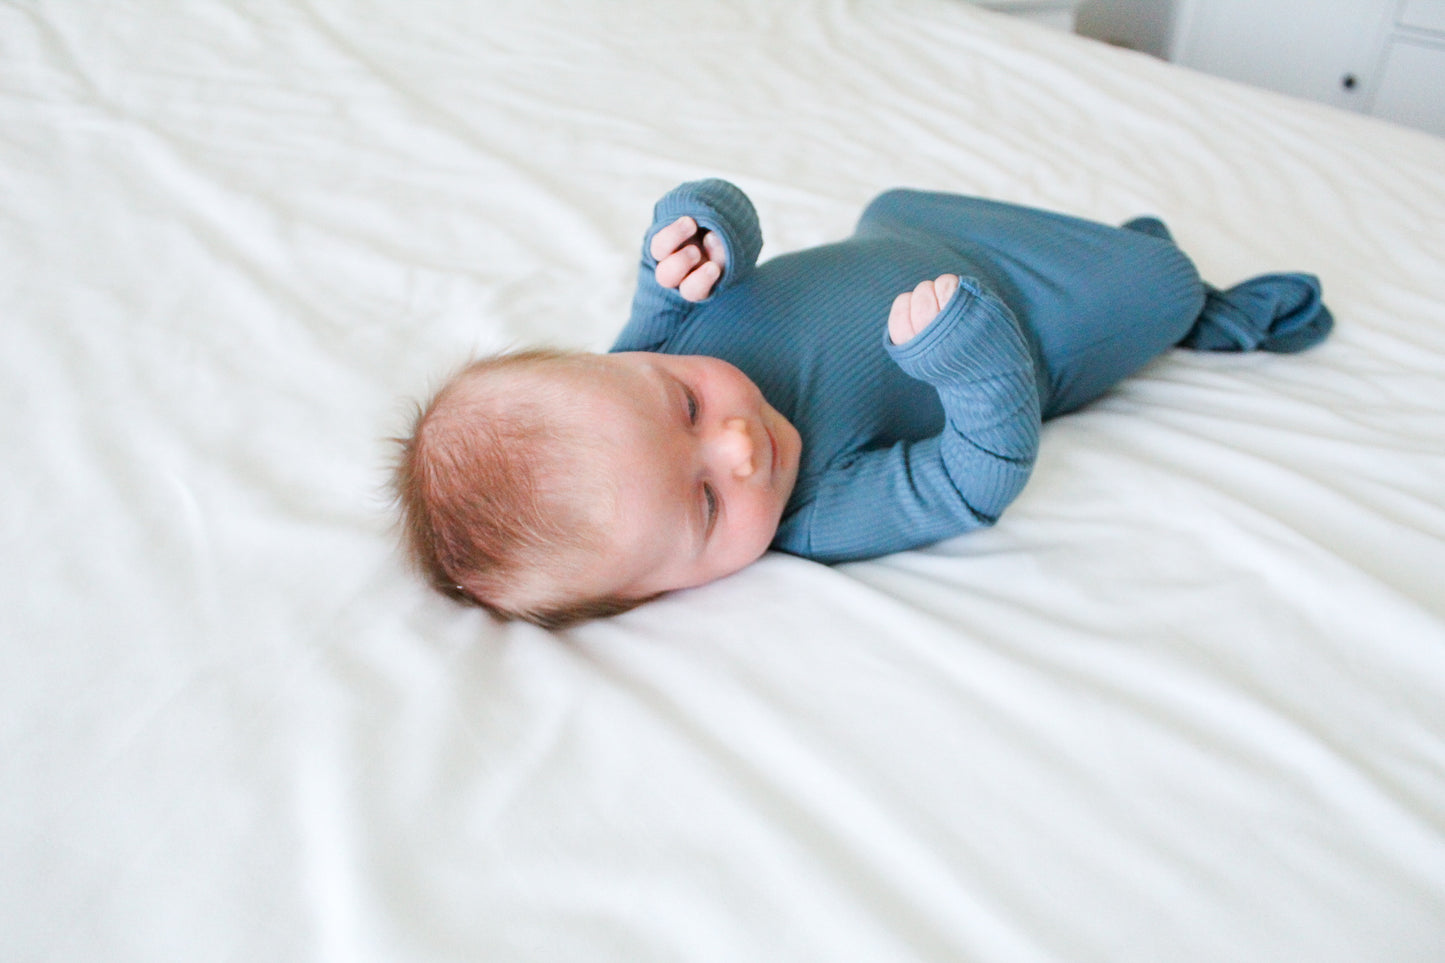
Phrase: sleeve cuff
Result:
[974,337]
[718,206]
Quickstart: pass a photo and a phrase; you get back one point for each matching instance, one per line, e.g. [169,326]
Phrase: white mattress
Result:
[1186,702]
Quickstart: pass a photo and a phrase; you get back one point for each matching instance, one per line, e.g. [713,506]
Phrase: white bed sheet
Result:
[1186,702]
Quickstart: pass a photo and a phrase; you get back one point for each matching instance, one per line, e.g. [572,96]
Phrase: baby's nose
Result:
[735,446]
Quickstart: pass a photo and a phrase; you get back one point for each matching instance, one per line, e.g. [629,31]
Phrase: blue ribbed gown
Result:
[906,445]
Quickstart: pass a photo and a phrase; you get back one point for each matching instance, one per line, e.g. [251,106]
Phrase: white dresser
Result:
[1381,57]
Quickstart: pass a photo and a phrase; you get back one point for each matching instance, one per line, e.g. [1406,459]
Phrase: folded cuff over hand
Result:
[718,206]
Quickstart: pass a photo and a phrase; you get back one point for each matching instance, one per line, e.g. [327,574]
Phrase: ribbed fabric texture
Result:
[906,445]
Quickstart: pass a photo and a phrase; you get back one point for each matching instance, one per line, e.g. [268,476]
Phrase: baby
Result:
[747,407]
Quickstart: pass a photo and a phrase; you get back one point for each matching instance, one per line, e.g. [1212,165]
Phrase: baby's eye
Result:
[692,406]
[710,499]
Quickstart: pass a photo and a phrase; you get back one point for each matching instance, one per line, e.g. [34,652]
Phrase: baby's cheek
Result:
[762,529]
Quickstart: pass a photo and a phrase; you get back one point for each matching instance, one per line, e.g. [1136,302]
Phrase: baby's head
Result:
[558,486]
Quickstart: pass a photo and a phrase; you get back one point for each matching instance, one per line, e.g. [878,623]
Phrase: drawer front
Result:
[1410,88]
[1423,15]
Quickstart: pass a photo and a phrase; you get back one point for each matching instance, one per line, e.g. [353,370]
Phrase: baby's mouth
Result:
[772,447]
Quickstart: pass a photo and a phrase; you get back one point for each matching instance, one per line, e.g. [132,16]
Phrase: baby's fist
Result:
[689,258]
[915,310]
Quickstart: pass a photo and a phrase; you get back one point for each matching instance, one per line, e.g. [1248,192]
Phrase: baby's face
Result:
[703,467]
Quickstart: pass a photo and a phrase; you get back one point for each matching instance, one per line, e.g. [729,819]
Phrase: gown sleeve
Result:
[716,205]
[913,493]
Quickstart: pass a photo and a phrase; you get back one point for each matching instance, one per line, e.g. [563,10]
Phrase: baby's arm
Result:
[954,335]
[704,238]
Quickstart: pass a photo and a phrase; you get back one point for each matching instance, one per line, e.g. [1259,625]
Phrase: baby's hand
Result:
[915,310]
[689,259]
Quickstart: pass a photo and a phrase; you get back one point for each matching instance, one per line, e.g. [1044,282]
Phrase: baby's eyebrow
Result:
[663,383]
[675,393]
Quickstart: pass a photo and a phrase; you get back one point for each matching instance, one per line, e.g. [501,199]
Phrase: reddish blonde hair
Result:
[479,484]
